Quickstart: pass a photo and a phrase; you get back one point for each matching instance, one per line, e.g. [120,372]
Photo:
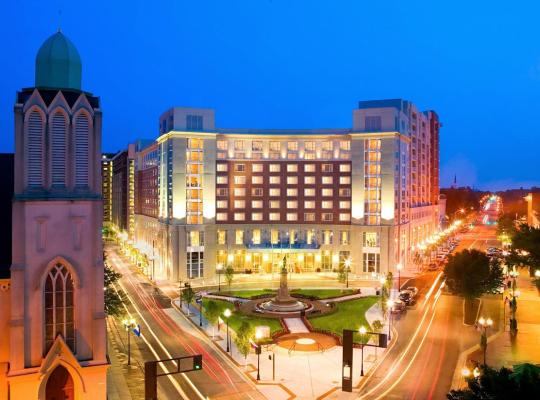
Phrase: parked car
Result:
[407,297]
[398,307]
[412,289]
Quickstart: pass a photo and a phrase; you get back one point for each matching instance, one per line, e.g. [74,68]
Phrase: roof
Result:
[48,96]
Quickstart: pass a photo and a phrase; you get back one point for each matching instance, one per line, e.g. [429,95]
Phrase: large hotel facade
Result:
[206,198]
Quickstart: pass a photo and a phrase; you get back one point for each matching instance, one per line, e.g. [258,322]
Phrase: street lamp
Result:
[258,337]
[399,268]
[219,267]
[129,324]
[537,273]
[390,304]
[362,331]
[227,314]
[180,293]
[484,324]
[382,280]
[347,269]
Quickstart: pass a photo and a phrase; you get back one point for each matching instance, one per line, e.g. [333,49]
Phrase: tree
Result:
[386,289]
[113,299]
[188,295]
[242,339]
[341,275]
[506,225]
[229,276]
[522,383]
[377,327]
[526,246]
[212,313]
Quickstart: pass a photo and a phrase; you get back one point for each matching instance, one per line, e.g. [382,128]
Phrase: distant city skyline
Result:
[273,64]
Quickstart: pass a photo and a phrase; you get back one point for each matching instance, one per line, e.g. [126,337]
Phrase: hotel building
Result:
[208,196]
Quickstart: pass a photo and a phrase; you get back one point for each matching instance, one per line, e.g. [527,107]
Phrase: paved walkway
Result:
[295,325]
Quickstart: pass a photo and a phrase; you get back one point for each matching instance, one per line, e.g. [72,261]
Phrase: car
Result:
[412,289]
[398,307]
[407,297]
[433,267]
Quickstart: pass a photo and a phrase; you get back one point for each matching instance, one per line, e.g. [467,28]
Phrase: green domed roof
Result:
[58,64]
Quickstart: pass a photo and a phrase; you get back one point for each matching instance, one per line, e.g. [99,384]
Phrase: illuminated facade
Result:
[123,191]
[106,187]
[246,198]
[533,209]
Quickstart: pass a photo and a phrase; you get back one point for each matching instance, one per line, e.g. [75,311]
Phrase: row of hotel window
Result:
[276,180]
[276,192]
[258,145]
[275,236]
[343,167]
[291,204]
[291,217]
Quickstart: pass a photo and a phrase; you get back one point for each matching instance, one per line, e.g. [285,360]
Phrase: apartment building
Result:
[247,198]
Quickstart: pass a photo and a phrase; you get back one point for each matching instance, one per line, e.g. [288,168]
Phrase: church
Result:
[52,320]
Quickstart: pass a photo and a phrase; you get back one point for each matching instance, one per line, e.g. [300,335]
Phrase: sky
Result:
[301,64]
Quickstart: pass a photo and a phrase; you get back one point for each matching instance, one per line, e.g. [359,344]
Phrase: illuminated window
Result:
[309,192]
[256,203]
[257,168]
[370,239]
[310,234]
[239,145]
[274,192]
[221,216]
[309,146]
[309,204]
[309,168]
[345,192]
[327,217]
[274,236]
[256,236]
[327,204]
[221,203]
[327,180]
[195,238]
[292,217]
[372,262]
[256,145]
[238,236]
[275,146]
[292,146]
[344,217]
[240,192]
[309,180]
[292,180]
[257,192]
[309,156]
[195,143]
[275,204]
[345,237]
[292,204]
[222,192]
[274,216]
[327,167]
[344,204]
[256,216]
[239,167]
[222,145]
[240,180]
[239,204]
[292,167]
[221,237]
[344,180]
[327,192]
[222,167]
[327,236]
[292,192]
[257,180]
[221,180]
[309,217]
[345,145]
[275,180]
[327,145]
[344,167]
[275,168]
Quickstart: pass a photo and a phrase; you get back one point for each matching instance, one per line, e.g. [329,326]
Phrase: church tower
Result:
[57,334]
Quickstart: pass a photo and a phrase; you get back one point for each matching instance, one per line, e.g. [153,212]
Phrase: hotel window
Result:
[309,192]
[239,236]
[373,220]
[292,167]
[221,237]
[194,123]
[370,239]
[239,192]
[222,192]
[275,180]
[292,217]
[239,167]
[373,169]
[292,180]
[292,146]
[274,236]
[222,145]
[309,146]
[257,168]
[221,204]
[257,145]
[221,216]
[327,217]
[327,168]
[345,237]
[327,145]
[256,203]
[345,192]
[309,204]
[310,234]
[256,236]
[373,124]
[292,192]
[345,145]
[239,154]
[257,192]
[239,204]
[375,157]
[344,205]
[274,216]
[275,146]
[327,180]
[309,168]
[274,192]
[239,216]
[344,217]
[239,145]
[195,143]
[256,216]
[344,167]
[222,167]
[292,204]
[275,168]
[194,155]
[372,262]
[327,204]
[257,180]
[275,204]
[194,169]
[327,236]
[195,238]
[344,180]
[309,217]
[309,180]
[327,192]
[222,180]
[240,180]
[309,156]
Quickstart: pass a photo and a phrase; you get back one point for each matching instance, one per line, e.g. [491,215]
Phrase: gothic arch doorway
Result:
[60,385]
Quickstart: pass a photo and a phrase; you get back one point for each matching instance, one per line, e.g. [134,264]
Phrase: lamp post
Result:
[362,331]
[348,262]
[180,293]
[258,337]
[382,280]
[390,304]
[484,324]
[227,313]
[129,324]
[219,267]
[399,267]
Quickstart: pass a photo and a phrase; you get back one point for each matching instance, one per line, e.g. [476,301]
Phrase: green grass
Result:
[323,293]
[237,318]
[349,315]
[246,293]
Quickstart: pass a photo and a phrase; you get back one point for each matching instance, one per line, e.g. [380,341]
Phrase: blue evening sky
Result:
[292,64]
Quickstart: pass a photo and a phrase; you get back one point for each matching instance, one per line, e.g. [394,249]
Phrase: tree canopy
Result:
[527,238]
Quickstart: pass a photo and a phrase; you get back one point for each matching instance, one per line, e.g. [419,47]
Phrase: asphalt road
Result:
[163,338]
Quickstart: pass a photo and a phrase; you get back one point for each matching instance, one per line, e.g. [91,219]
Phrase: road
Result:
[431,336]
[166,334]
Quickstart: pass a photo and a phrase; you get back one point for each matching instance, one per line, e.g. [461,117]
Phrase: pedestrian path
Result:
[295,325]
[227,298]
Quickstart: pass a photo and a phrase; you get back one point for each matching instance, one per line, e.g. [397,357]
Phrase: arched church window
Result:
[81,149]
[59,307]
[58,149]
[34,149]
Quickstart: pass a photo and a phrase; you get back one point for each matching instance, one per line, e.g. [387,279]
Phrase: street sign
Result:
[151,372]
[137,331]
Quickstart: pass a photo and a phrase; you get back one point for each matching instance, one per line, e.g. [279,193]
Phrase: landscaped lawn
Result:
[349,315]
[237,318]
[323,293]
[246,293]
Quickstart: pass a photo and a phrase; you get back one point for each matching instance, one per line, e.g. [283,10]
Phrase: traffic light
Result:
[197,362]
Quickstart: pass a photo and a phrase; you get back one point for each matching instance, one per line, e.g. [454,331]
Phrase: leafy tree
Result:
[377,327]
[242,339]
[188,295]
[506,225]
[385,293]
[526,246]
[522,383]
[229,276]
[341,275]
[212,312]
[113,299]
